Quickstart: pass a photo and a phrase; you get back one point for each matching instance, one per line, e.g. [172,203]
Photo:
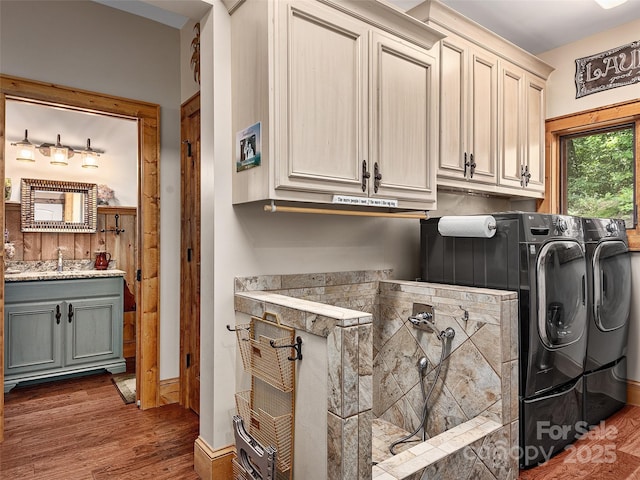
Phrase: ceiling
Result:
[534,25]
[541,25]
[549,24]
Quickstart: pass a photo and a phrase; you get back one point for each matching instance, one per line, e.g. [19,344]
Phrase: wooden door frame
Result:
[186,110]
[148,289]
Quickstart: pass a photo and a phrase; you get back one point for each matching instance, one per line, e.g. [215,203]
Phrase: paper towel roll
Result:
[483,226]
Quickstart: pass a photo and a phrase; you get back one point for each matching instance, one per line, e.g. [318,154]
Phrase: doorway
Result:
[148,258]
[190,255]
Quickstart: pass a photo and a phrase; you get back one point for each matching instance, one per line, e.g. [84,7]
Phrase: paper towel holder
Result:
[482,226]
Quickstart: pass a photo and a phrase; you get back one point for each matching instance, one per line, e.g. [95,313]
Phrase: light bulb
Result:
[89,157]
[59,153]
[26,150]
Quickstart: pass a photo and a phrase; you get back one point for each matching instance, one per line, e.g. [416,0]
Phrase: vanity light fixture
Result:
[26,149]
[607,4]
[59,153]
[89,156]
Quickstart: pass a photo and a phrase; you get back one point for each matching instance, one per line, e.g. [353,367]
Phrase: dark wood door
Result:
[190,256]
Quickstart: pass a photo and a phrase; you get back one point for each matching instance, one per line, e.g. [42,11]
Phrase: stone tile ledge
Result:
[313,317]
[308,280]
[416,459]
[459,291]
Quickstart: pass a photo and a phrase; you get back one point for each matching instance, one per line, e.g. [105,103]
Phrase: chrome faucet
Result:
[423,319]
[59,260]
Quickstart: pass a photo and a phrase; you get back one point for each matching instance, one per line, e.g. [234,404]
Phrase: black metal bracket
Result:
[117,230]
[296,346]
[188,147]
[235,329]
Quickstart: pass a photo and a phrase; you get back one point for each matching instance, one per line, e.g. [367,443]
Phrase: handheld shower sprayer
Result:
[422,364]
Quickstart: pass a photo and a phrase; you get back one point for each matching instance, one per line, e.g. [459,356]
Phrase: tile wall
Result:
[479,376]
[372,351]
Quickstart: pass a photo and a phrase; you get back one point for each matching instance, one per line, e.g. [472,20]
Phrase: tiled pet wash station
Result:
[373,349]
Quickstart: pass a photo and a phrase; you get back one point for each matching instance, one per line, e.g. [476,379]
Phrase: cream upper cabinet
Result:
[346,106]
[323,101]
[491,108]
[468,113]
[521,152]
[403,121]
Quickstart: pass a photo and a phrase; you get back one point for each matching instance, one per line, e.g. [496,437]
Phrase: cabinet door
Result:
[483,126]
[322,99]
[404,116]
[32,337]
[454,67]
[468,112]
[512,133]
[534,146]
[93,330]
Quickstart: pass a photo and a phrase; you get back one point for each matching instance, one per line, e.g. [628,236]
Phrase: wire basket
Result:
[239,473]
[260,358]
[243,335]
[268,429]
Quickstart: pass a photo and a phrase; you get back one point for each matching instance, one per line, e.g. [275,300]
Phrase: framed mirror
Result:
[58,206]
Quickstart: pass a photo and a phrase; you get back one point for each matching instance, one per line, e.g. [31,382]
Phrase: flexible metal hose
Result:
[425,409]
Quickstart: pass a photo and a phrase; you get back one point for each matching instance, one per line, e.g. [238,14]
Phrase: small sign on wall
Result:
[248,147]
[614,68]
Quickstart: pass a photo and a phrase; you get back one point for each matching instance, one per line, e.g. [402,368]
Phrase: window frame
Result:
[603,117]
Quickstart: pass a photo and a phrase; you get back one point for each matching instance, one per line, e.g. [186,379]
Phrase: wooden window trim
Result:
[628,112]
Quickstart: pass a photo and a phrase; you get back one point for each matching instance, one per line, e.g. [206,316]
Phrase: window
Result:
[598,173]
[592,159]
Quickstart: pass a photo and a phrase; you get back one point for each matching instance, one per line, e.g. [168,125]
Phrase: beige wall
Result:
[561,87]
[561,101]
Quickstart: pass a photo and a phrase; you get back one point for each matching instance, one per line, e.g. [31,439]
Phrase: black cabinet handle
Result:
[377,176]
[466,164]
[365,175]
[472,166]
[70,314]
[58,314]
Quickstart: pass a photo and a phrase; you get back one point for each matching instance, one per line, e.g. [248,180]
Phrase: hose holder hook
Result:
[296,346]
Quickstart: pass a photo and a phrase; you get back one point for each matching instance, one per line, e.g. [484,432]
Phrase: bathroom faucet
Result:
[59,259]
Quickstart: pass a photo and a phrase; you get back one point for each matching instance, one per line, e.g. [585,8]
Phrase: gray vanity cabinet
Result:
[33,338]
[61,327]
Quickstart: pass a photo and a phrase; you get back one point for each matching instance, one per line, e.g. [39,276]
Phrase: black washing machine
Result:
[609,287]
[542,257]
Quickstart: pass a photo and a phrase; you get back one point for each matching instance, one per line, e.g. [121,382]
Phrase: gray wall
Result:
[106,50]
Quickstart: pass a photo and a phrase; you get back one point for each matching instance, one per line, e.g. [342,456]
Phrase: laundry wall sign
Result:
[617,67]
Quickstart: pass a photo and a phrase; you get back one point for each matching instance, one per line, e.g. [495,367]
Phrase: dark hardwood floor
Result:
[611,451]
[81,429]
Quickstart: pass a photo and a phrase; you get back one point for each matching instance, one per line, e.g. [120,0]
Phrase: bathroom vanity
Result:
[61,323]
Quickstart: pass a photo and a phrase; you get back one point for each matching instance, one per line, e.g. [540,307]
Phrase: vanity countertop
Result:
[64,275]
